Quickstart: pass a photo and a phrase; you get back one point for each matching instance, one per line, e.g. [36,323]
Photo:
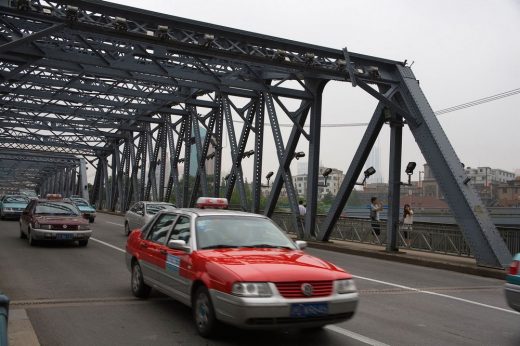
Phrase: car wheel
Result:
[22,235]
[204,313]
[32,241]
[91,219]
[83,243]
[127,229]
[139,288]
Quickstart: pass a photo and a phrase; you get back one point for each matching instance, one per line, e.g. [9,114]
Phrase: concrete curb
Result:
[20,330]
[403,257]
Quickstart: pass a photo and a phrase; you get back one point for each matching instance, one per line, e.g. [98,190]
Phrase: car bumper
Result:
[12,213]
[45,234]
[275,311]
[513,295]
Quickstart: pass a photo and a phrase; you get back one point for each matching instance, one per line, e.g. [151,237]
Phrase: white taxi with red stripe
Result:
[237,268]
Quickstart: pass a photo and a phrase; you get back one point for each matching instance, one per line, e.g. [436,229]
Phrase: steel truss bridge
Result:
[131,91]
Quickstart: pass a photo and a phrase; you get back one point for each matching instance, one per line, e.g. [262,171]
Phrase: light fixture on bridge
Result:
[268,177]
[162,32]
[368,172]
[373,72]
[298,155]
[309,58]
[71,13]
[409,171]
[120,24]
[279,55]
[325,174]
[181,160]
[341,64]
[249,153]
[210,156]
[466,180]
[206,40]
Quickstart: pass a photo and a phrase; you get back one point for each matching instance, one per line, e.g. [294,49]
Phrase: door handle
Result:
[163,252]
[143,245]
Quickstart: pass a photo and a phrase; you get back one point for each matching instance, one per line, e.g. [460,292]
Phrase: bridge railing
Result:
[424,236]
[4,313]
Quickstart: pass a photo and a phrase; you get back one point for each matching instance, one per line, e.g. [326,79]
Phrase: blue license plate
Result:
[309,309]
[65,236]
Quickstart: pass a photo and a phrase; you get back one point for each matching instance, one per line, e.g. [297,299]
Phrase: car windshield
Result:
[56,208]
[239,231]
[78,201]
[16,199]
[153,209]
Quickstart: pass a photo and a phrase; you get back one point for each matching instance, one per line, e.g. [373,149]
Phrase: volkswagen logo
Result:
[307,289]
[64,226]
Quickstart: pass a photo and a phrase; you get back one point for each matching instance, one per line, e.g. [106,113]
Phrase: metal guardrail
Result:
[4,314]
[430,237]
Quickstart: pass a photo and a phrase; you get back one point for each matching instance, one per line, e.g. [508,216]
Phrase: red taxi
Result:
[238,268]
[53,218]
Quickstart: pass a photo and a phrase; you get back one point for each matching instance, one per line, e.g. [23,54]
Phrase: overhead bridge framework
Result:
[141,95]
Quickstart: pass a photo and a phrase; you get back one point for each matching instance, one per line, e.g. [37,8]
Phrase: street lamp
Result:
[268,177]
[298,155]
[368,172]
[409,171]
[325,174]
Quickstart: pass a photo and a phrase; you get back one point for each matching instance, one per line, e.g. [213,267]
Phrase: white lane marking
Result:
[355,336]
[437,294]
[115,223]
[107,244]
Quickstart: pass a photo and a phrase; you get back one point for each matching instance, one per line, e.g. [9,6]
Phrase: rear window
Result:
[56,208]
[80,202]
[153,209]
[16,199]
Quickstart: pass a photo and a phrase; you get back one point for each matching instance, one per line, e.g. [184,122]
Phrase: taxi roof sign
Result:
[53,196]
[212,203]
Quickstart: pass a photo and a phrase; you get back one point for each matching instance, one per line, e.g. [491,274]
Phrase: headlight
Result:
[251,289]
[83,227]
[43,226]
[345,286]
[8,209]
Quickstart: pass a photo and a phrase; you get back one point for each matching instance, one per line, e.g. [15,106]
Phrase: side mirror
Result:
[179,245]
[301,244]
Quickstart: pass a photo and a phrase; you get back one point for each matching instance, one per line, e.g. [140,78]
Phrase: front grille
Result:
[68,228]
[294,289]
[295,320]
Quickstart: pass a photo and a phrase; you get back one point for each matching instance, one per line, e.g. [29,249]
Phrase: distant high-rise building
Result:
[194,157]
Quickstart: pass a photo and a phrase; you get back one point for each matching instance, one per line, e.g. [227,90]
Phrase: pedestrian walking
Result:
[407,223]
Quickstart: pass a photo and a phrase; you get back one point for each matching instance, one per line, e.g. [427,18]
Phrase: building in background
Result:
[334,180]
[508,193]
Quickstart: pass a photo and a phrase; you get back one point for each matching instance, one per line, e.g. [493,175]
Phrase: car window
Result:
[16,199]
[134,208]
[181,230]
[160,229]
[78,201]
[152,209]
[56,208]
[239,231]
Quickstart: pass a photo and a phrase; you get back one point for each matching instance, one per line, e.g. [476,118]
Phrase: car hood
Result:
[273,265]
[56,220]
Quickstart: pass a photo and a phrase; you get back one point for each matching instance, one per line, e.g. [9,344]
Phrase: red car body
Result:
[270,284]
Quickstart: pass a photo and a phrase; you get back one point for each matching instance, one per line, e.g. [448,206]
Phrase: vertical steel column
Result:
[113,180]
[280,151]
[152,180]
[97,183]
[144,152]
[200,172]
[187,160]
[353,172]
[219,124]
[66,190]
[175,163]
[83,178]
[164,145]
[316,87]
[259,145]
[107,186]
[236,157]
[129,159]
[394,181]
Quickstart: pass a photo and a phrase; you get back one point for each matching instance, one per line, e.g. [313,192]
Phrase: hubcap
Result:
[136,277]
[202,311]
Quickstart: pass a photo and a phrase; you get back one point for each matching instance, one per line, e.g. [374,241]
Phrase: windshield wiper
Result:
[219,246]
[269,246]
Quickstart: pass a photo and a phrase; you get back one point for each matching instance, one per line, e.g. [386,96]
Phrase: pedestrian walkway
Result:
[428,259]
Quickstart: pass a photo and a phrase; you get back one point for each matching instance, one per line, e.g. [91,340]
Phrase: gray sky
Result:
[462,51]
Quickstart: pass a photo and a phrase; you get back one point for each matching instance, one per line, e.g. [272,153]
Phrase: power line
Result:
[439,112]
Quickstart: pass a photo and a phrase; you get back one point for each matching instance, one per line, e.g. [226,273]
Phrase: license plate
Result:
[65,236]
[309,309]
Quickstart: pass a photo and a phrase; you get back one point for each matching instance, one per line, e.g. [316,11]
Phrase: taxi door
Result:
[153,249]
[178,274]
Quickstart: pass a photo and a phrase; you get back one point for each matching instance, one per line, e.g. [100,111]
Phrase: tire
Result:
[204,313]
[139,288]
[32,242]
[91,220]
[83,243]
[127,229]
[22,235]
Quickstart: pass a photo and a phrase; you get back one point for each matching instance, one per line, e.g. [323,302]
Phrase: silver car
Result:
[142,212]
